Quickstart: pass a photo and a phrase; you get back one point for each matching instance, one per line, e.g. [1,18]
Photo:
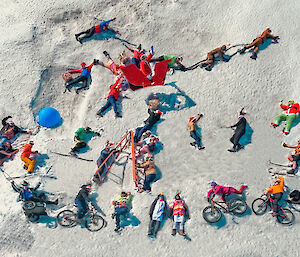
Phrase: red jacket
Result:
[114,89]
[291,109]
[145,66]
[27,151]
[80,70]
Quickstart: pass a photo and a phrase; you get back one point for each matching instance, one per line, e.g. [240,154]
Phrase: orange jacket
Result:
[278,188]
[26,151]
[266,34]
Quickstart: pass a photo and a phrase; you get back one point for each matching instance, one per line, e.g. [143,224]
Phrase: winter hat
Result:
[191,119]
[148,157]
[88,186]
[139,47]
[83,64]
[177,196]
[159,112]
[213,183]
[290,102]
[25,183]
[31,142]
[11,123]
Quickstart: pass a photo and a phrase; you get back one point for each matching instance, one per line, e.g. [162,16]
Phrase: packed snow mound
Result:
[38,45]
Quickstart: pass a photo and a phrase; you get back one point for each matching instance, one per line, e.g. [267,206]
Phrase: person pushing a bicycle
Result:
[276,192]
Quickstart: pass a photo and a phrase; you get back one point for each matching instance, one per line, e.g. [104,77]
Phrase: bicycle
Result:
[260,205]
[93,221]
[213,213]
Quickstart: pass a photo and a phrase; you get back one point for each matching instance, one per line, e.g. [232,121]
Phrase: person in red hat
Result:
[84,77]
[193,131]
[25,156]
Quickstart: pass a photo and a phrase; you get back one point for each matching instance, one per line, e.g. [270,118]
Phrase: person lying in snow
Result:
[211,57]
[193,133]
[84,77]
[158,210]
[145,65]
[294,158]
[25,157]
[291,112]
[150,173]
[6,151]
[80,137]
[223,191]
[27,193]
[179,212]
[9,130]
[258,41]
[147,146]
[136,58]
[175,63]
[102,26]
[121,207]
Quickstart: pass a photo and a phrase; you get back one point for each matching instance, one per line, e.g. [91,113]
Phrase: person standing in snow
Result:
[102,26]
[294,158]
[258,41]
[112,98]
[79,138]
[158,210]
[193,133]
[9,130]
[82,200]
[154,116]
[150,174]
[239,131]
[223,191]
[210,60]
[179,213]
[84,77]
[291,112]
[121,205]
[25,157]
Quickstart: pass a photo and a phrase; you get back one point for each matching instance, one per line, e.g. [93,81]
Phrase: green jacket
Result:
[124,201]
[81,133]
[172,62]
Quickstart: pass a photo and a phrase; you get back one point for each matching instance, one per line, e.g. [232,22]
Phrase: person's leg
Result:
[29,163]
[78,145]
[276,198]
[90,32]
[112,101]
[85,85]
[181,228]
[74,81]
[80,209]
[150,228]
[142,130]
[197,139]
[81,33]
[156,227]
[120,211]
[148,180]
[289,121]
[281,117]
[105,107]
[136,62]
[136,134]
[232,190]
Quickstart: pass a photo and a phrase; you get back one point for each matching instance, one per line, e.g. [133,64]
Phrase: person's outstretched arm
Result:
[131,50]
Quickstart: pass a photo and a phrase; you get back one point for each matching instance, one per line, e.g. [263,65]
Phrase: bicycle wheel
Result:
[285,216]
[259,206]
[66,218]
[211,215]
[94,222]
[237,206]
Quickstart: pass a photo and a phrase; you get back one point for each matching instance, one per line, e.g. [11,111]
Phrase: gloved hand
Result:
[39,183]
[114,18]
[98,134]
[12,182]
[284,145]
[200,115]
[152,51]
[77,138]
[96,61]
[36,152]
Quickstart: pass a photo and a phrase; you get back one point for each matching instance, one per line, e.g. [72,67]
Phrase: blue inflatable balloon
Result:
[49,117]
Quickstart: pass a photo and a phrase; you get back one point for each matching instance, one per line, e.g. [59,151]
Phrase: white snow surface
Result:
[38,44]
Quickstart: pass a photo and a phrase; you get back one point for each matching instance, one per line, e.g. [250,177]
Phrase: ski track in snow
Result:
[38,45]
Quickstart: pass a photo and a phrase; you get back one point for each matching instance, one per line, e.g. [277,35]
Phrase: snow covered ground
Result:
[38,44]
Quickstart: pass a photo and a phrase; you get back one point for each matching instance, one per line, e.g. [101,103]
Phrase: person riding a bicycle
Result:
[276,192]
[121,207]
[223,191]
[82,200]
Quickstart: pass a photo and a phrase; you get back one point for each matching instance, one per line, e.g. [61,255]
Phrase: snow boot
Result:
[286,132]
[291,171]
[193,144]
[173,232]
[118,115]
[201,147]
[208,68]
[232,150]
[274,124]
[106,54]
[99,113]
[253,56]
[25,167]
[181,232]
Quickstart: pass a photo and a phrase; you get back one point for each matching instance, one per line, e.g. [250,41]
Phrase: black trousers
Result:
[153,227]
[88,33]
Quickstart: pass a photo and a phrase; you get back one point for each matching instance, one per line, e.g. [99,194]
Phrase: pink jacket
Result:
[218,190]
